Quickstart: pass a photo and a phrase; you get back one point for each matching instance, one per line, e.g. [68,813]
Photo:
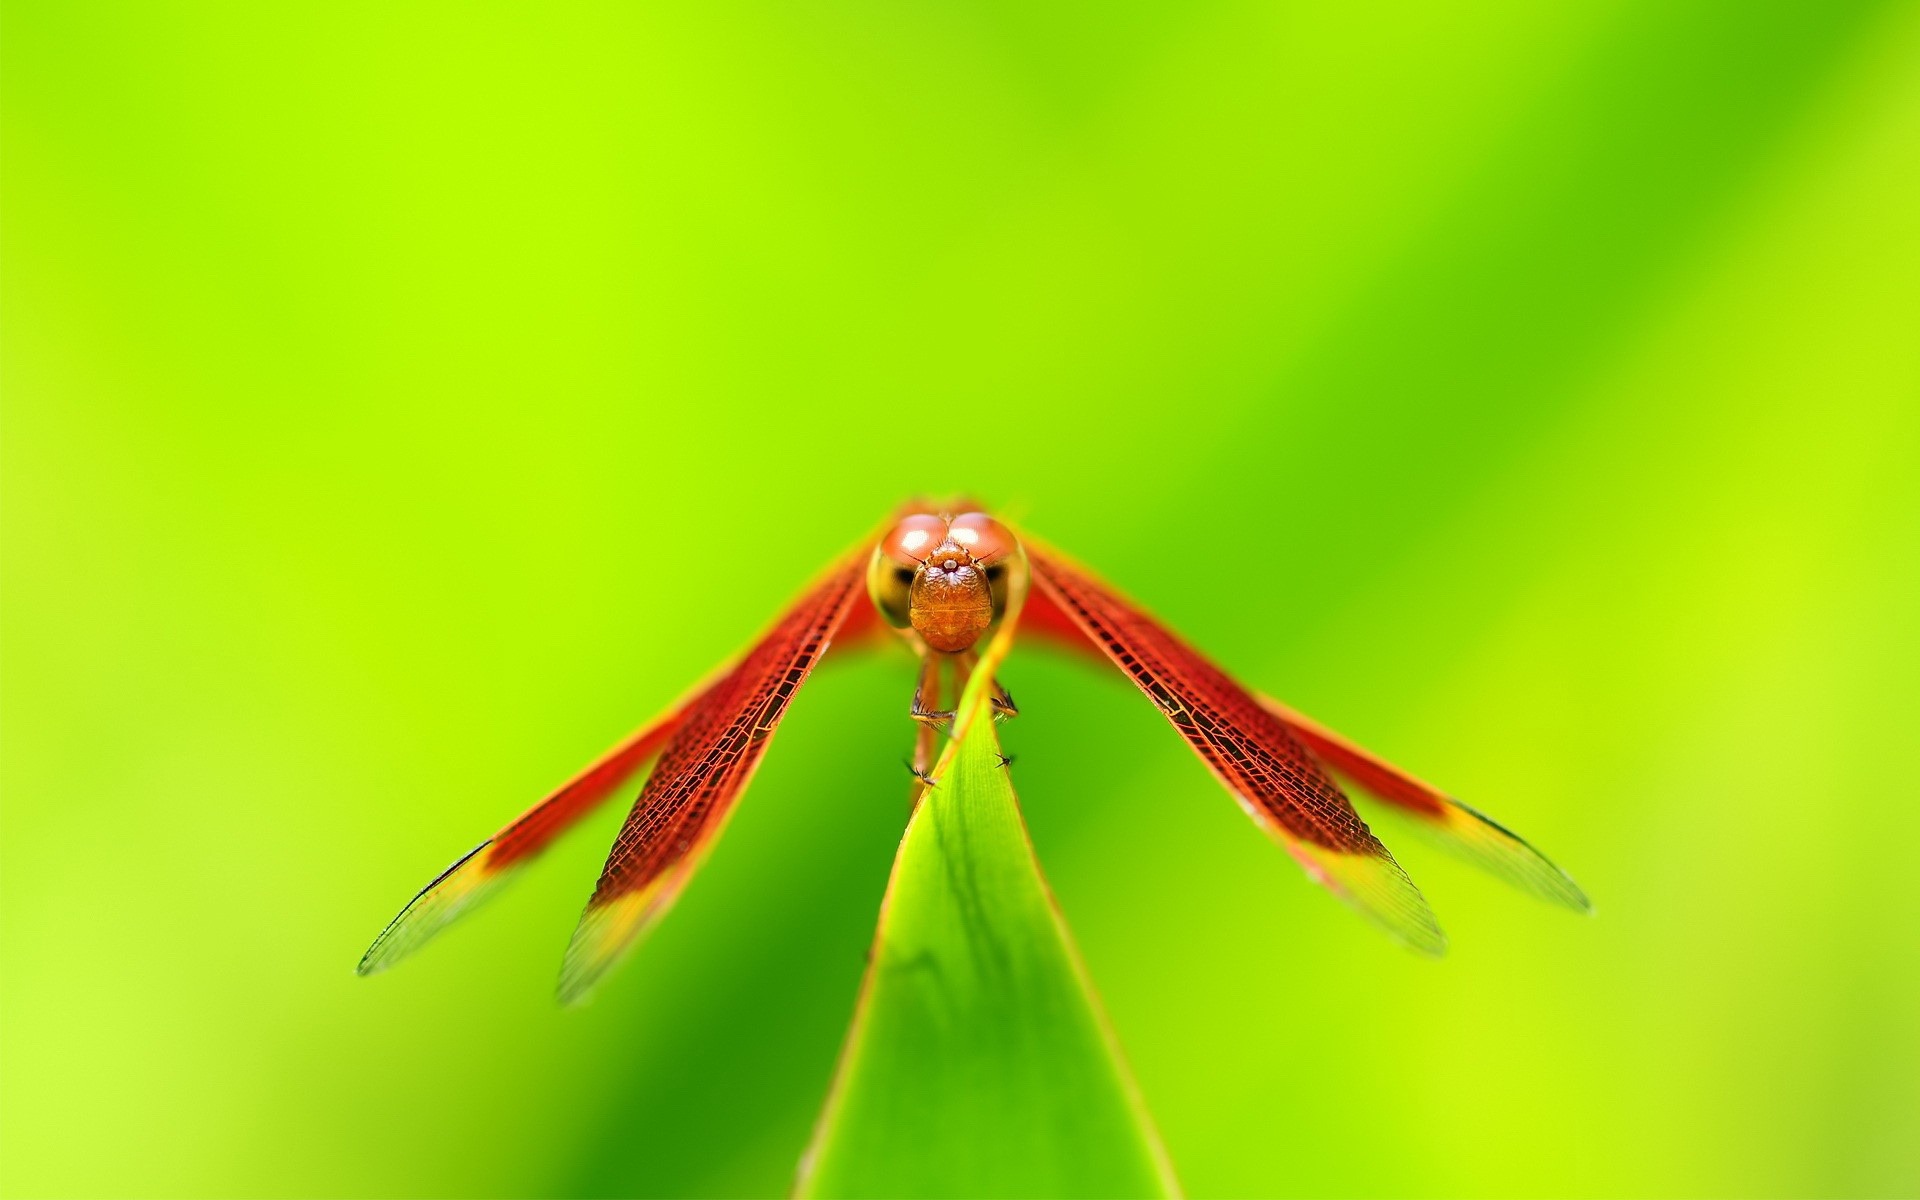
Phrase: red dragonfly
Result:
[943,582]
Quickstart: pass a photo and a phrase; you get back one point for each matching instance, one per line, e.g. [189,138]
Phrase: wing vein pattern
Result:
[481,872]
[1281,785]
[701,772]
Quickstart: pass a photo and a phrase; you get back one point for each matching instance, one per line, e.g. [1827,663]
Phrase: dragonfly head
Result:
[943,576]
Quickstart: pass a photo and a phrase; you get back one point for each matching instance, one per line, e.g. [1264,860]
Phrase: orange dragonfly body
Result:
[944,578]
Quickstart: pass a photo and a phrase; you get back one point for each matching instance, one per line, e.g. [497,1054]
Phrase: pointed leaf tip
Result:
[978,1062]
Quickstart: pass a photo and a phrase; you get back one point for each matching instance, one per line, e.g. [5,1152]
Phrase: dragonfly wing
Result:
[1462,830]
[701,772]
[481,871]
[1458,828]
[1251,751]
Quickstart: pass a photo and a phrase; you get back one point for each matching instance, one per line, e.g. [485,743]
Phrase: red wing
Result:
[701,772]
[1458,828]
[1276,780]
[1043,618]
[480,872]
[1462,830]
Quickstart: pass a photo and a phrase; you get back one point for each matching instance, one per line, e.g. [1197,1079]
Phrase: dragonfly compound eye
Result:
[895,560]
[986,539]
[909,542]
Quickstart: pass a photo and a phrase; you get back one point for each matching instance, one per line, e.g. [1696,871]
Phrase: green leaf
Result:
[979,1062]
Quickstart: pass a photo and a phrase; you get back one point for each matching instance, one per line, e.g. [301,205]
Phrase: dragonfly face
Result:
[942,576]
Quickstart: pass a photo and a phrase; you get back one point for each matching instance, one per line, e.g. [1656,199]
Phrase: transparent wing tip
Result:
[458,889]
[605,933]
[1498,850]
[1375,885]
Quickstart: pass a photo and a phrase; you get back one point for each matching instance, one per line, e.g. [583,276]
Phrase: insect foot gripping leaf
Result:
[978,1062]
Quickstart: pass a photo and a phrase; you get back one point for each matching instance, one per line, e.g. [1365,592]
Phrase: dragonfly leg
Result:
[1003,705]
[922,763]
[926,691]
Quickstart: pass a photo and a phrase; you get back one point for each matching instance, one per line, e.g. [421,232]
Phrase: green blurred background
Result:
[404,401]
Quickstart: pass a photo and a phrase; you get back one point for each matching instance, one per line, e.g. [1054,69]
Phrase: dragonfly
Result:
[955,583]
